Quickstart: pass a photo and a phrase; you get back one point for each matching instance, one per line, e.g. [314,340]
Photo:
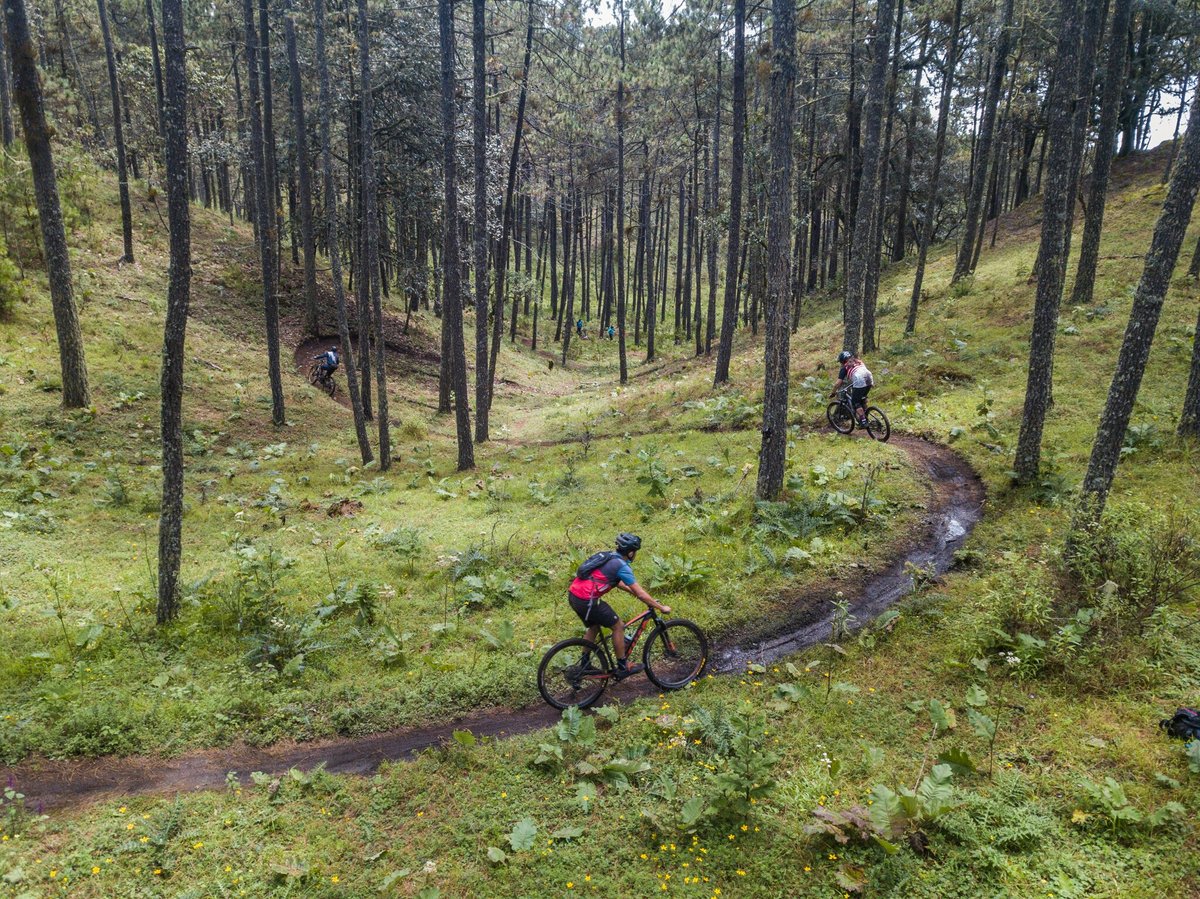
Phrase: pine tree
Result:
[27,90]
[170,524]
[772,455]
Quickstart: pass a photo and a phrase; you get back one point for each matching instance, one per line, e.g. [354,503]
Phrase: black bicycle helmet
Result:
[844,355]
[628,543]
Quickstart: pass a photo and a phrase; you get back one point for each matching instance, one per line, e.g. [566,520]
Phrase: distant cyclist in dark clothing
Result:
[595,577]
[329,361]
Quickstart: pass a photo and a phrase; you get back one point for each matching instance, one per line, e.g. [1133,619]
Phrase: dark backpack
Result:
[593,562]
[1183,725]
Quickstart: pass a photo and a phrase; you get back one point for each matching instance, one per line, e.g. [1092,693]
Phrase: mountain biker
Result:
[579,328]
[610,332]
[855,372]
[601,573]
[329,361]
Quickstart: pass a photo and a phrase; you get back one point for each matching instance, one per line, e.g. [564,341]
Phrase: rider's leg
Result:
[618,640]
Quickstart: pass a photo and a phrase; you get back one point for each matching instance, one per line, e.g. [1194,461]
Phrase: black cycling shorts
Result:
[596,611]
[858,395]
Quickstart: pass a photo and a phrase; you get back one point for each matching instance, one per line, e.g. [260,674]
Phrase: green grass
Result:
[840,724]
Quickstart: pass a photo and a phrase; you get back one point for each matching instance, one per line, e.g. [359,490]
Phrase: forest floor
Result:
[403,603]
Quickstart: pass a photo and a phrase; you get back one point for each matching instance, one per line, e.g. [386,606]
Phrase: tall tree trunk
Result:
[714,196]
[737,166]
[570,256]
[270,159]
[899,245]
[480,245]
[266,221]
[772,454]
[620,211]
[6,122]
[334,248]
[507,225]
[939,153]
[452,307]
[1110,107]
[868,197]
[1056,205]
[370,269]
[114,89]
[875,248]
[983,155]
[156,66]
[179,279]
[27,89]
[311,314]
[1143,321]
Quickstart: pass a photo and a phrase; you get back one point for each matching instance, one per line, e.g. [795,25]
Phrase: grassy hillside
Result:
[393,615]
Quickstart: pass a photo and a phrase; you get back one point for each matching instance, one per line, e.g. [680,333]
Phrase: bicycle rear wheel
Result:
[878,425]
[841,419]
[675,654]
[563,678]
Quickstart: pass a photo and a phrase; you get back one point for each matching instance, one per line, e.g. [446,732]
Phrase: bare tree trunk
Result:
[479,106]
[157,67]
[1143,321]
[179,279]
[114,89]
[868,198]
[370,268]
[966,248]
[270,159]
[711,212]
[899,245]
[300,125]
[1056,207]
[570,257]
[266,221]
[1106,138]
[27,89]
[507,227]
[452,306]
[772,454]
[331,225]
[939,153]
[620,211]
[7,134]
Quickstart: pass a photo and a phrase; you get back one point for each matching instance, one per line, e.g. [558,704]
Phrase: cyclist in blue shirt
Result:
[599,574]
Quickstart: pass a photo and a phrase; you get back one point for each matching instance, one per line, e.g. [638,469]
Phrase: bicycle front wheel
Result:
[878,425]
[573,673]
[675,654]
[841,419]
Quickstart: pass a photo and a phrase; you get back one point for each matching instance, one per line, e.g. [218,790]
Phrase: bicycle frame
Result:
[642,621]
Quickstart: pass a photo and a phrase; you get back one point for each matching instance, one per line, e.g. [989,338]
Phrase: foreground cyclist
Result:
[855,373]
[600,573]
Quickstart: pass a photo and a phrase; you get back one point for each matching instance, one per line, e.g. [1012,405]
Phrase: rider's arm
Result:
[640,592]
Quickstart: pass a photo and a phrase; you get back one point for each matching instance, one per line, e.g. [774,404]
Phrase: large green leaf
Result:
[523,834]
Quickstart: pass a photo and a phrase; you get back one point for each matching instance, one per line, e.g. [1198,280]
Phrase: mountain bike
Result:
[322,379]
[841,415]
[576,672]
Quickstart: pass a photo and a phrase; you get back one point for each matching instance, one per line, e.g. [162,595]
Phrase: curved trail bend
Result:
[955,504]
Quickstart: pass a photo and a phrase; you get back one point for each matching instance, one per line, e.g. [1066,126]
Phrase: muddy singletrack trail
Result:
[954,506]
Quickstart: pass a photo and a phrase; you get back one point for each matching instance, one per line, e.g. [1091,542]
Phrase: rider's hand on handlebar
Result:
[666,610]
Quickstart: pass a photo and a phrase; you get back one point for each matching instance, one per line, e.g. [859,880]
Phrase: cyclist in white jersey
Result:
[855,373]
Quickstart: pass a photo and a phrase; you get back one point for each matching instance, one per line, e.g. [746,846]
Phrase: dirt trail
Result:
[955,504]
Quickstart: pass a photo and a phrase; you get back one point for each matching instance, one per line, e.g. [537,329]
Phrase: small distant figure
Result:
[611,332]
[550,362]
[579,327]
